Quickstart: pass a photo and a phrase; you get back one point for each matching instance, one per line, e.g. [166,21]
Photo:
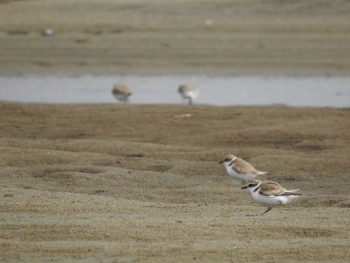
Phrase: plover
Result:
[270,193]
[121,92]
[239,169]
[188,92]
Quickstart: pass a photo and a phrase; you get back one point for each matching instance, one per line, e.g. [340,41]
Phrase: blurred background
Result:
[183,40]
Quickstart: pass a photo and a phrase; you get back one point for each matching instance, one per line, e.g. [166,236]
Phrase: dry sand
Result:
[111,183]
[183,36]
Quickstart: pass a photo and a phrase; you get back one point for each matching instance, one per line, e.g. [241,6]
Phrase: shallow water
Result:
[220,91]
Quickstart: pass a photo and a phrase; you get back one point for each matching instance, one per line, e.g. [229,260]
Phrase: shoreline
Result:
[220,91]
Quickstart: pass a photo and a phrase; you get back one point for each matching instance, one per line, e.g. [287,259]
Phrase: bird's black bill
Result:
[244,187]
[221,162]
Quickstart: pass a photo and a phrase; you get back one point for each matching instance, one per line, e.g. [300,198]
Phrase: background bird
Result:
[188,92]
[121,92]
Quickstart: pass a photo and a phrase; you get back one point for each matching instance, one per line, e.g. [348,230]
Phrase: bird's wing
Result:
[271,188]
[243,167]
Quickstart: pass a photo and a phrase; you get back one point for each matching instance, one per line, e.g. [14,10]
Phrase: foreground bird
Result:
[270,193]
[121,92]
[188,92]
[240,169]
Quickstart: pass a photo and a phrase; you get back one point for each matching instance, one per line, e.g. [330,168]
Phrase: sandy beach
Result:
[184,37]
[142,183]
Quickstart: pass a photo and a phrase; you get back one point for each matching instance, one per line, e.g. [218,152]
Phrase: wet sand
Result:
[141,183]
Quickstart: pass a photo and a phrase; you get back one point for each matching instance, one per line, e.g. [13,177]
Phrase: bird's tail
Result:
[292,192]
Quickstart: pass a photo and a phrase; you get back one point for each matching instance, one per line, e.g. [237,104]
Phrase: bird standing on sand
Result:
[270,193]
[239,169]
[121,92]
[188,92]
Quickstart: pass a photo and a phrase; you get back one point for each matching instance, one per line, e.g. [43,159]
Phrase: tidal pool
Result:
[317,91]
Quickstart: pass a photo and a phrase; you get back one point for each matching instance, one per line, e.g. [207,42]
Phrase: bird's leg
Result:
[267,210]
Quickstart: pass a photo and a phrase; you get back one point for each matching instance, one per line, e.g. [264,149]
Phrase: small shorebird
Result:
[121,92]
[188,92]
[240,169]
[270,193]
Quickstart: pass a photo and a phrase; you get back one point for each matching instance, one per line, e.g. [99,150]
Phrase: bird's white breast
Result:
[269,200]
[245,177]
[272,200]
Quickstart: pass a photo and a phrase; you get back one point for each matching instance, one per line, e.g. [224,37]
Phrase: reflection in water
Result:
[236,90]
